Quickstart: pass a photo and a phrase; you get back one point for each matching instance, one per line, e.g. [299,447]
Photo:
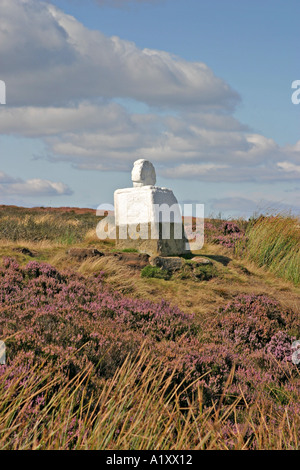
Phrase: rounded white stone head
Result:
[143,173]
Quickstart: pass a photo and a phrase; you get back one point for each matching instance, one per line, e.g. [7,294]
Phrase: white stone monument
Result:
[148,218]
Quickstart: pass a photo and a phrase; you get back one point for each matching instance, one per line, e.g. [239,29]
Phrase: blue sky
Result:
[200,88]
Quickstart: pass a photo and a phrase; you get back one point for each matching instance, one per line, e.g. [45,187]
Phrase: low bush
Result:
[205,272]
[226,233]
[197,273]
[156,272]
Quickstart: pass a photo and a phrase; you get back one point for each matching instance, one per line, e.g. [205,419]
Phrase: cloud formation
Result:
[63,81]
[49,58]
[10,186]
[202,146]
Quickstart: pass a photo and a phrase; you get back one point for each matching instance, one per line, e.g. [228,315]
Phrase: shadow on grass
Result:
[219,258]
[225,260]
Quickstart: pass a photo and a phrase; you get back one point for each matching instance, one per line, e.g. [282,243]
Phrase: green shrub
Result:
[154,271]
[197,273]
[205,272]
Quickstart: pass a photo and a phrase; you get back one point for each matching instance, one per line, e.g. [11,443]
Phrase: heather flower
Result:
[67,323]
[280,346]
[225,233]
[250,321]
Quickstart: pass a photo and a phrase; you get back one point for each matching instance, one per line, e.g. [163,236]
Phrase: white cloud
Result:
[105,136]
[32,121]
[32,187]
[61,78]
[289,167]
[198,170]
[49,58]
[229,173]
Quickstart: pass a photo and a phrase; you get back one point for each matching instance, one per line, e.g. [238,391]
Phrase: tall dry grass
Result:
[62,227]
[134,410]
[274,243]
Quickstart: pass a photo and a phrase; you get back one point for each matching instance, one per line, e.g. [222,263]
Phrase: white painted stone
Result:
[143,173]
[147,212]
[141,205]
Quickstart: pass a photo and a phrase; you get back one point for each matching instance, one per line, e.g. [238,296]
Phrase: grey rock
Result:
[201,261]
[169,263]
[81,254]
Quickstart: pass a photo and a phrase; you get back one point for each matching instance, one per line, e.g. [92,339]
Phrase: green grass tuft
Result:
[156,272]
[129,250]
